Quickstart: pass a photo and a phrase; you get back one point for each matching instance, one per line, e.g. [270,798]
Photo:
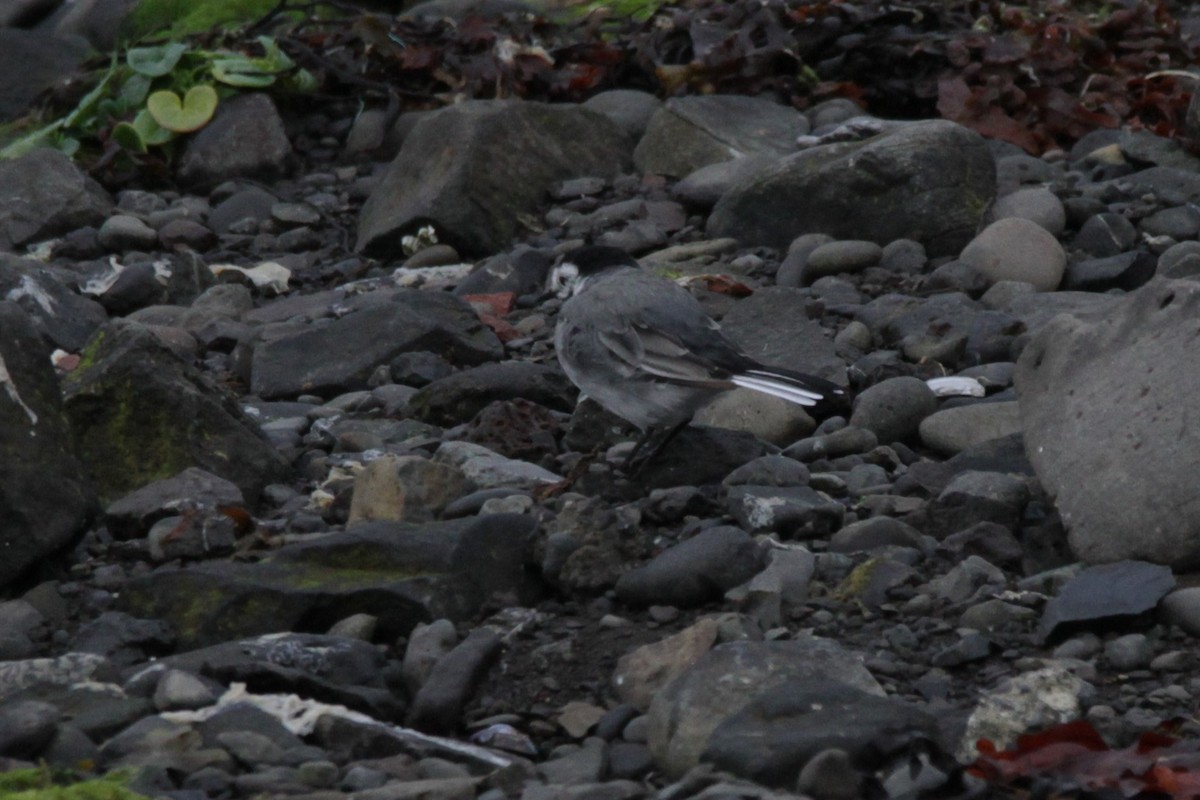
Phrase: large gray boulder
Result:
[929,181]
[473,170]
[688,133]
[30,63]
[1107,398]
[44,495]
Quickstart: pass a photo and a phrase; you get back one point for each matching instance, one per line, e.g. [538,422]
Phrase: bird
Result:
[642,347]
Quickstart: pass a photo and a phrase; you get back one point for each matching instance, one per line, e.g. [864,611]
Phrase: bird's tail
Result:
[795,387]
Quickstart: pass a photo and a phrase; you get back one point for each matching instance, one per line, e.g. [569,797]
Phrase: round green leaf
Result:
[155,62]
[128,137]
[150,131]
[183,116]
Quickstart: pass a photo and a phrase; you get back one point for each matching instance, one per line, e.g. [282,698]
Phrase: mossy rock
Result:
[139,413]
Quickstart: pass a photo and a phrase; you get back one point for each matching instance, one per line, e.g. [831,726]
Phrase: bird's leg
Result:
[649,445]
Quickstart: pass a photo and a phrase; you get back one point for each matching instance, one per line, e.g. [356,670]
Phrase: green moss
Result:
[126,441]
[858,580]
[87,358]
[177,18]
[40,783]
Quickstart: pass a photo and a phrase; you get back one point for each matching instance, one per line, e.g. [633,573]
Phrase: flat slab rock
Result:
[1106,405]
[404,574]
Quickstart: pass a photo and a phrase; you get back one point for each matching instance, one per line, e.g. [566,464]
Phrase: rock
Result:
[699,455]
[178,691]
[1105,595]
[695,571]
[60,315]
[1122,271]
[122,639]
[250,203]
[1180,261]
[953,430]
[245,139]
[1016,249]
[688,133]
[438,705]
[407,488]
[141,414]
[791,511]
[98,22]
[427,644]
[974,496]
[704,187]
[770,326]
[929,181]
[487,469]
[30,63]
[46,195]
[122,232]
[343,354]
[522,271]
[402,573]
[1106,234]
[583,766]
[642,673]
[684,715]
[1105,430]
[768,418]
[1029,701]
[843,442]
[838,257]
[60,671]
[778,589]
[459,397]
[577,718]
[1036,204]
[26,728]
[489,161]
[45,494]
[892,409]
[132,516]
[630,109]
[1182,607]
[769,471]
[1178,222]
[872,533]
[775,735]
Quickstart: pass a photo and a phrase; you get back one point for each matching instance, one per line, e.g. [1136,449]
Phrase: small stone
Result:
[1016,249]
[121,233]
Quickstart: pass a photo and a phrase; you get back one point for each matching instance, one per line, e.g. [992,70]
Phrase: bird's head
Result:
[573,269]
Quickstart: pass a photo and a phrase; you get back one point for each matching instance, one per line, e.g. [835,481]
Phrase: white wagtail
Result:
[642,347]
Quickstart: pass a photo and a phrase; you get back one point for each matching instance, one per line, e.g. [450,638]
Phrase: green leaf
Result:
[273,56]
[135,90]
[128,137]
[183,116]
[30,141]
[150,131]
[154,62]
[242,72]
